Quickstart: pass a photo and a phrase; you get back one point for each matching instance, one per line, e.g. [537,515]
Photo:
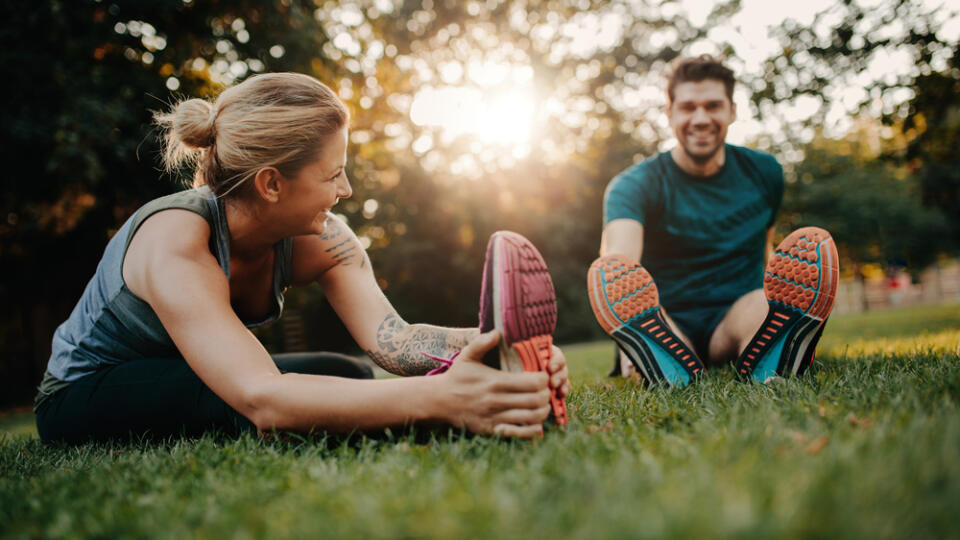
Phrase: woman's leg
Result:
[152,398]
[323,363]
[157,398]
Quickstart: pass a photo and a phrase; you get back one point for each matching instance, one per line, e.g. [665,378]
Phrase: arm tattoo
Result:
[334,230]
[345,251]
[400,346]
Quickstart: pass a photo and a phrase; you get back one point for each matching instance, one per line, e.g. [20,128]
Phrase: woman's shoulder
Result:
[315,254]
[179,222]
[198,201]
[175,227]
[175,238]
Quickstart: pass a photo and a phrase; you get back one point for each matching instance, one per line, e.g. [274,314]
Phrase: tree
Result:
[933,118]
[872,209]
[846,61]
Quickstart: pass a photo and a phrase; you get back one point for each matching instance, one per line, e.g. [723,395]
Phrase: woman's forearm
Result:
[401,348]
[469,396]
[299,402]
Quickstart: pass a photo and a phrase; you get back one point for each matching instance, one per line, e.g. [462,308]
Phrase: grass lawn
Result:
[866,445]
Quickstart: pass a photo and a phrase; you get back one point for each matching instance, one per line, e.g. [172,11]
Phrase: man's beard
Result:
[701,159]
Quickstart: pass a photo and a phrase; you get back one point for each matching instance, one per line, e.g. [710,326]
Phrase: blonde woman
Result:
[159,343]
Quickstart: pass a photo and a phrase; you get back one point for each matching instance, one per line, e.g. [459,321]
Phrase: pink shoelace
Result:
[445,363]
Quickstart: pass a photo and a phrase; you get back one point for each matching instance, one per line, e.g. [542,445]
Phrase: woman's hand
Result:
[489,401]
[559,379]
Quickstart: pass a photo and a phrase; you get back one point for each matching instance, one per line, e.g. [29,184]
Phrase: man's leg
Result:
[627,369]
[799,285]
[625,301]
[736,328]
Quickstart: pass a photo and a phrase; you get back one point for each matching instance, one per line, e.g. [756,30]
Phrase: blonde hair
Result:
[271,120]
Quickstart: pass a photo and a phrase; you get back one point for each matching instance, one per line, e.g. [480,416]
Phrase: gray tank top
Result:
[110,324]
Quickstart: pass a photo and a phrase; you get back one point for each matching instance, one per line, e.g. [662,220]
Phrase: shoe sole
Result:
[524,308]
[800,283]
[625,302]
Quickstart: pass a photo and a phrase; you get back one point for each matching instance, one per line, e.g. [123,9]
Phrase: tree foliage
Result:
[846,61]
[872,209]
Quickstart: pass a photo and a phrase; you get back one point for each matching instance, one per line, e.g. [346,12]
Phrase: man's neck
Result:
[695,167]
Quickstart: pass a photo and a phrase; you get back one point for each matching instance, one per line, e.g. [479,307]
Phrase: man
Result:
[688,232]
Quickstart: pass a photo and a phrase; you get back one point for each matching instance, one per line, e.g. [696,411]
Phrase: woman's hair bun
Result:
[193,123]
[276,120]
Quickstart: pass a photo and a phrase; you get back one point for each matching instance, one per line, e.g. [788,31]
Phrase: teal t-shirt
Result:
[703,237]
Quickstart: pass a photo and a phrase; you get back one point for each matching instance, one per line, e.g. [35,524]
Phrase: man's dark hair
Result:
[697,69]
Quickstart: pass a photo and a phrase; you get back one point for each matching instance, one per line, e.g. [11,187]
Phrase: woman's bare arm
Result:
[169,266]
[402,348]
[339,263]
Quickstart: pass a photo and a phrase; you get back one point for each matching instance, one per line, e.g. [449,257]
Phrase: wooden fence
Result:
[939,283]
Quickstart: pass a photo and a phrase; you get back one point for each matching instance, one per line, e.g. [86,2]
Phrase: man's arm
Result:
[623,237]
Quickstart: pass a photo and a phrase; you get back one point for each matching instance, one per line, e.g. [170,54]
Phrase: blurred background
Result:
[474,116]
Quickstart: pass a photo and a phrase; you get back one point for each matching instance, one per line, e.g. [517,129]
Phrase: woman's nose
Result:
[344,191]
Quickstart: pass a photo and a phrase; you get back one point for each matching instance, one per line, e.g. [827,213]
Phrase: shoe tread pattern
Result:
[802,273]
[800,284]
[535,355]
[530,301]
[626,303]
[529,308]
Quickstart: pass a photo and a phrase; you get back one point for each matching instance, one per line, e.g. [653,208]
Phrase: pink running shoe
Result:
[517,298]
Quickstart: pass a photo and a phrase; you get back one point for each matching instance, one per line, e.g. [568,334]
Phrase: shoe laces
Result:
[445,363]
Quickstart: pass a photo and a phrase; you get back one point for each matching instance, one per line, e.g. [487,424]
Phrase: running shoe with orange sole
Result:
[625,301]
[800,283]
[517,298]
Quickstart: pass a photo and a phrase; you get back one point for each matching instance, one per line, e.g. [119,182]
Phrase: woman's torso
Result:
[110,324]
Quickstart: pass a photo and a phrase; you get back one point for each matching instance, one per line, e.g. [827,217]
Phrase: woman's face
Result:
[317,188]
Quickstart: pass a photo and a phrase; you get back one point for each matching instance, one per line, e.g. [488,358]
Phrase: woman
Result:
[159,343]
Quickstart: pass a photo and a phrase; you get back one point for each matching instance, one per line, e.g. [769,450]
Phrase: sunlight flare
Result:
[496,117]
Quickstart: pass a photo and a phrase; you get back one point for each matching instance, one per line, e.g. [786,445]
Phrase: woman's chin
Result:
[319,225]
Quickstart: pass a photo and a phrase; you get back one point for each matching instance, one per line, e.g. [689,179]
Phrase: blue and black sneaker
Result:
[800,283]
[625,301]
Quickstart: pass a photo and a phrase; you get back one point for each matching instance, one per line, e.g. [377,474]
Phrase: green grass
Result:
[865,445]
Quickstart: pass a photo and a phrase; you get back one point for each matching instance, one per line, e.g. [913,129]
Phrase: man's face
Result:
[699,116]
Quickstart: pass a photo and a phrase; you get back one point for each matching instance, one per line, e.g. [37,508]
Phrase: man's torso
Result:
[704,237]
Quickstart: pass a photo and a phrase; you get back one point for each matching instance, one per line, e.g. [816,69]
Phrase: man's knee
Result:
[738,325]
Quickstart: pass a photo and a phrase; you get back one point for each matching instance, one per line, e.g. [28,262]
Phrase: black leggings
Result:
[159,398]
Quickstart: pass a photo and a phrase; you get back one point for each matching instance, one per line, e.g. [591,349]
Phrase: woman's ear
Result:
[267,183]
